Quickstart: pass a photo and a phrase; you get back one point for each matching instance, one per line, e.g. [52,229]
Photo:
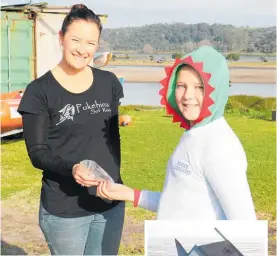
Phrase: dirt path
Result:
[21,234]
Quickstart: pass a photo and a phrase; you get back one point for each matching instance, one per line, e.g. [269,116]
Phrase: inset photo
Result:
[200,238]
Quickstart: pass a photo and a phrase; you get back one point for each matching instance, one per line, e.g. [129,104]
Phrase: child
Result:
[206,174]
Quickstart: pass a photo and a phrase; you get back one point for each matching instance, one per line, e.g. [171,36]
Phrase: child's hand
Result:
[115,191]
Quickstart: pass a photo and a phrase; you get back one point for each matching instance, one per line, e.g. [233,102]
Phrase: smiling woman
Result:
[71,114]
[79,37]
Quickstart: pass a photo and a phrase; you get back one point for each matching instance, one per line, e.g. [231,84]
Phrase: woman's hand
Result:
[83,177]
[115,191]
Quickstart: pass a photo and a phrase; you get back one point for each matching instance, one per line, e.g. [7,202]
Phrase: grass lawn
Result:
[146,148]
[148,144]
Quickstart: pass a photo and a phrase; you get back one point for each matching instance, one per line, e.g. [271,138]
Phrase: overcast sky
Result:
[122,13]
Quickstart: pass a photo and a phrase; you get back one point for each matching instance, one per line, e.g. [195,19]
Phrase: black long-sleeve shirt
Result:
[36,130]
[62,128]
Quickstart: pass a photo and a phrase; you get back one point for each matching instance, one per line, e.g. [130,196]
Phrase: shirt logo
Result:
[183,167]
[67,112]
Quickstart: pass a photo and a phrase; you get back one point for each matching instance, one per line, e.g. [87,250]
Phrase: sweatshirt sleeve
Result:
[149,200]
[226,174]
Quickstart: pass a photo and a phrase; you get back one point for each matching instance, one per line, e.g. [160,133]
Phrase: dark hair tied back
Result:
[80,12]
[78,6]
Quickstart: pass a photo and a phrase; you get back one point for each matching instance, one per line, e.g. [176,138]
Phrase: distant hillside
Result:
[185,37]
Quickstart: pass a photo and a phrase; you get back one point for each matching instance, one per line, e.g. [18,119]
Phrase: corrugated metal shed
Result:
[29,42]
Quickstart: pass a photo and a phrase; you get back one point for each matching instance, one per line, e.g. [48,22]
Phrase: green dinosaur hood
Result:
[213,69]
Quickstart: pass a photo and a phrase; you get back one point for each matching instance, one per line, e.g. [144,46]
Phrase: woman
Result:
[206,174]
[71,114]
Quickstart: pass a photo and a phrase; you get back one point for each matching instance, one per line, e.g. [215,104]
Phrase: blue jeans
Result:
[97,234]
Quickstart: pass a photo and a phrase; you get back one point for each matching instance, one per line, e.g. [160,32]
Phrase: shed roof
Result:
[43,7]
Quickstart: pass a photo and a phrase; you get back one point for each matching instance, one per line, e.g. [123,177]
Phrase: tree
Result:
[182,37]
[188,47]
[233,56]
[250,47]
[177,55]
[263,59]
[236,57]
[204,42]
[114,57]
[147,49]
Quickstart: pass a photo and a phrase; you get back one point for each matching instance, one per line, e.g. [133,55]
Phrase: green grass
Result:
[17,172]
[251,106]
[146,148]
[248,101]
[148,144]
[259,140]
